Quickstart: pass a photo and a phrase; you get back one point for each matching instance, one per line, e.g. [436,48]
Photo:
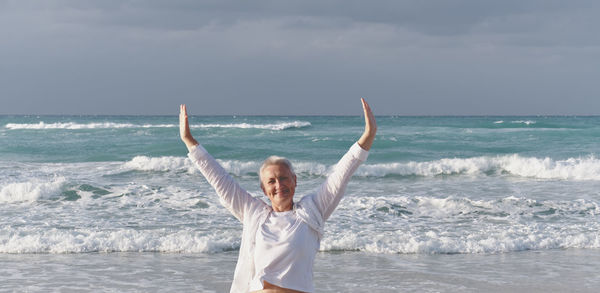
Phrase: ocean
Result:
[443,204]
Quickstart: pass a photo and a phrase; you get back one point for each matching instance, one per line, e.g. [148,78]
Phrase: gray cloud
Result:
[270,57]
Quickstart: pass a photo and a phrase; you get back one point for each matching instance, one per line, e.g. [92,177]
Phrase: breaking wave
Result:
[586,168]
[113,125]
[235,167]
[73,125]
[273,126]
[31,191]
[37,240]
[526,122]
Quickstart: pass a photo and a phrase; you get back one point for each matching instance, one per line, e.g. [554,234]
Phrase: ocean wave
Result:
[456,208]
[390,225]
[587,168]
[526,122]
[235,167]
[183,164]
[73,125]
[31,191]
[38,240]
[385,242]
[114,125]
[426,225]
[162,164]
[271,126]
[508,240]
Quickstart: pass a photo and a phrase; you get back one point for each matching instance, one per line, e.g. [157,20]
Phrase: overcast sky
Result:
[446,57]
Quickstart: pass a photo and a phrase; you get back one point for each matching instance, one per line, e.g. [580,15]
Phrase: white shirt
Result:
[313,209]
[285,252]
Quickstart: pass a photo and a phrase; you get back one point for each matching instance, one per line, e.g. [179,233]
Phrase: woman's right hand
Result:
[184,129]
[366,140]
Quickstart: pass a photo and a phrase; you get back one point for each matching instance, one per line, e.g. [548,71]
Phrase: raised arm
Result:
[237,200]
[331,191]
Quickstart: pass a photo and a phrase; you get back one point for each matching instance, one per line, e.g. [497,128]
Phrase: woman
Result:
[280,241]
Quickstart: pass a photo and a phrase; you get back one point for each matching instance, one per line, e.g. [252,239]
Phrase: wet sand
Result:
[529,271]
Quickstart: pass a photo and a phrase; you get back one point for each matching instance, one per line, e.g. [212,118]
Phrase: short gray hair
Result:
[275,160]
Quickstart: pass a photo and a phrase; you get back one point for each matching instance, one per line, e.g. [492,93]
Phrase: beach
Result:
[529,271]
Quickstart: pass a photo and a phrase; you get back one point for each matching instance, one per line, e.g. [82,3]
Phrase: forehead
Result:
[276,170]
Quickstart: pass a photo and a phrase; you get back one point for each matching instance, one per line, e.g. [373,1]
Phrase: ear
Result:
[263,188]
[295,181]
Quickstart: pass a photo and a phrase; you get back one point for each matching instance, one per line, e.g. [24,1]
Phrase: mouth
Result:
[282,193]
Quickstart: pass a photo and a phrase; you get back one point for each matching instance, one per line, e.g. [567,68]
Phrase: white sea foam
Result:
[526,122]
[587,168]
[407,225]
[170,163]
[240,168]
[166,163]
[499,122]
[235,167]
[272,126]
[415,225]
[508,240]
[73,125]
[111,125]
[30,191]
[40,240]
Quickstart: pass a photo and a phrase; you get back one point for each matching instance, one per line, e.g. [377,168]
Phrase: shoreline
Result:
[571,270]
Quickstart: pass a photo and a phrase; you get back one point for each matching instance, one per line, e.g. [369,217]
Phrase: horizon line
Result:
[321,115]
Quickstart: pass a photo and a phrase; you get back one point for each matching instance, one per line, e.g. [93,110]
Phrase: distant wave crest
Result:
[526,122]
[73,125]
[114,125]
[271,126]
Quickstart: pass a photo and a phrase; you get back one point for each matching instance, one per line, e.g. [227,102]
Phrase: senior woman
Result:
[280,241]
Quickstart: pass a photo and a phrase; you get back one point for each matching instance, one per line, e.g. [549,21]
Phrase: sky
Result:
[418,57]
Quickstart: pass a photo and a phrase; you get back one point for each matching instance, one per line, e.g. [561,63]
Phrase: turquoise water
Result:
[114,138]
[442,204]
[76,184]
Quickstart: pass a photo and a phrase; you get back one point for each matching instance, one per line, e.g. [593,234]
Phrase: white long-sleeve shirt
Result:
[312,211]
[285,252]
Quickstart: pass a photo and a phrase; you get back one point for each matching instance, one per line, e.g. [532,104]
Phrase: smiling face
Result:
[279,184]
